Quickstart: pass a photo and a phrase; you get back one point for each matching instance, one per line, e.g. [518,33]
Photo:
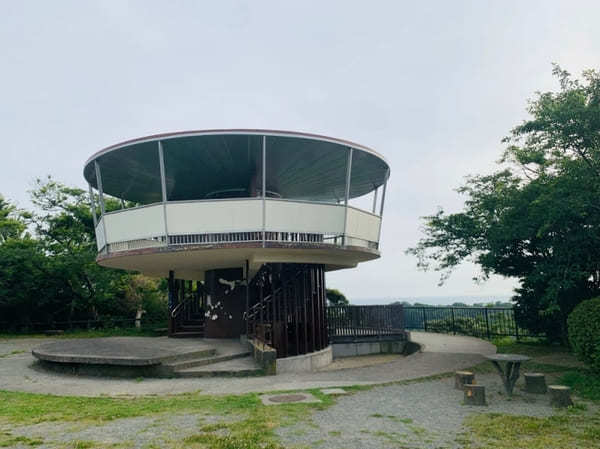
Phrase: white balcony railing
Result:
[236,220]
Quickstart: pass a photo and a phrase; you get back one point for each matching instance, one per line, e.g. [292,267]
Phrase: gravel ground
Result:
[141,432]
[441,353]
[424,415]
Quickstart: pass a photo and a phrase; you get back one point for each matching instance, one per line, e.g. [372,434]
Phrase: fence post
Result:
[487,323]
[424,320]
[516,324]
[453,323]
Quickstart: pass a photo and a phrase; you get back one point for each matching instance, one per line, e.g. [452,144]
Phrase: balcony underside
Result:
[191,261]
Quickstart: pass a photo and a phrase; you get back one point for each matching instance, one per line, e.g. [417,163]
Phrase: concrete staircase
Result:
[192,328]
[226,362]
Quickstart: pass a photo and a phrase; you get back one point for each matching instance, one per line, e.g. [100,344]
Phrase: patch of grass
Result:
[84,444]
[15,352]
[499,431]
[254,430]
[212,441]
[376,415]
[417,430]
[533,347]
[253,425]
[396,419]
[8,440]
[80,444]
[30,408]
[213,427]
[584,384]
[335,433]
[392,437]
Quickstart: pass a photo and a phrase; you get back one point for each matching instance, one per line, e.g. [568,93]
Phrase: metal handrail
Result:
[176,311]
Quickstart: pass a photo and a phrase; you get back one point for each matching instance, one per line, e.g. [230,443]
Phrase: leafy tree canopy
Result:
[537,218]
[12,221]
[336,298]
[51,274]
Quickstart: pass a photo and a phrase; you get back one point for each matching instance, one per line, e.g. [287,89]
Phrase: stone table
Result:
[510,373]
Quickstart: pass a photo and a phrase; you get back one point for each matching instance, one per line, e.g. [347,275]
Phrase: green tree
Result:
[12,224]
[538,218]
[64,226]
[51,274]
[27,287]
[336,298]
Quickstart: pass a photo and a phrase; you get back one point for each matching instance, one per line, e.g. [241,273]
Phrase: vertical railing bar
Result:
[347,193]
[163,186]
[264,188]
[93,206]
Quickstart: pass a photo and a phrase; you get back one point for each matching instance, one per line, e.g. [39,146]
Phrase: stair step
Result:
[204,361]
[201,353]
[238,367]
[191,327]
[188,334]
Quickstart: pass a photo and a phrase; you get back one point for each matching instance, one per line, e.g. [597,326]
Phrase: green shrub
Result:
[584,332]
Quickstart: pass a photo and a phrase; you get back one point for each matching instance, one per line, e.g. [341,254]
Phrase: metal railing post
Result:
[102,206]
[163,188]
[347,193]
[264,189]
[93,206]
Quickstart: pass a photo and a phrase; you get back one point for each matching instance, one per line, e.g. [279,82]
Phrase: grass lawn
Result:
[251,427]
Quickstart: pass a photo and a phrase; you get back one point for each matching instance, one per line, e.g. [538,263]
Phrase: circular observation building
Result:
[243,223]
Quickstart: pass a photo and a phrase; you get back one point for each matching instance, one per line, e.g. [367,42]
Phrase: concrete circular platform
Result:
[135,357]
[440,354]
[121,351]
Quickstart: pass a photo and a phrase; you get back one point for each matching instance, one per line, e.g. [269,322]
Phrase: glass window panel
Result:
[132,173]
[306,169]
[212,167]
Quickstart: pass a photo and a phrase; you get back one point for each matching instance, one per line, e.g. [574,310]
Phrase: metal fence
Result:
[92,324]
[483,322]
[351,323]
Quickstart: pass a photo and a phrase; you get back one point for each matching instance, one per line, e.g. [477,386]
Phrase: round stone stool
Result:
[535,383]
[560,396]
[461,378]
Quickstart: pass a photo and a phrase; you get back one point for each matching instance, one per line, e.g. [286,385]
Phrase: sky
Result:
[432,86]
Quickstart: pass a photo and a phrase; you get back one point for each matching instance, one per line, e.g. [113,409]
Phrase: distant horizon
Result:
[442,300]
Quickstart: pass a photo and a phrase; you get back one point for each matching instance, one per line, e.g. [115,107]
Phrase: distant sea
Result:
[433,300]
